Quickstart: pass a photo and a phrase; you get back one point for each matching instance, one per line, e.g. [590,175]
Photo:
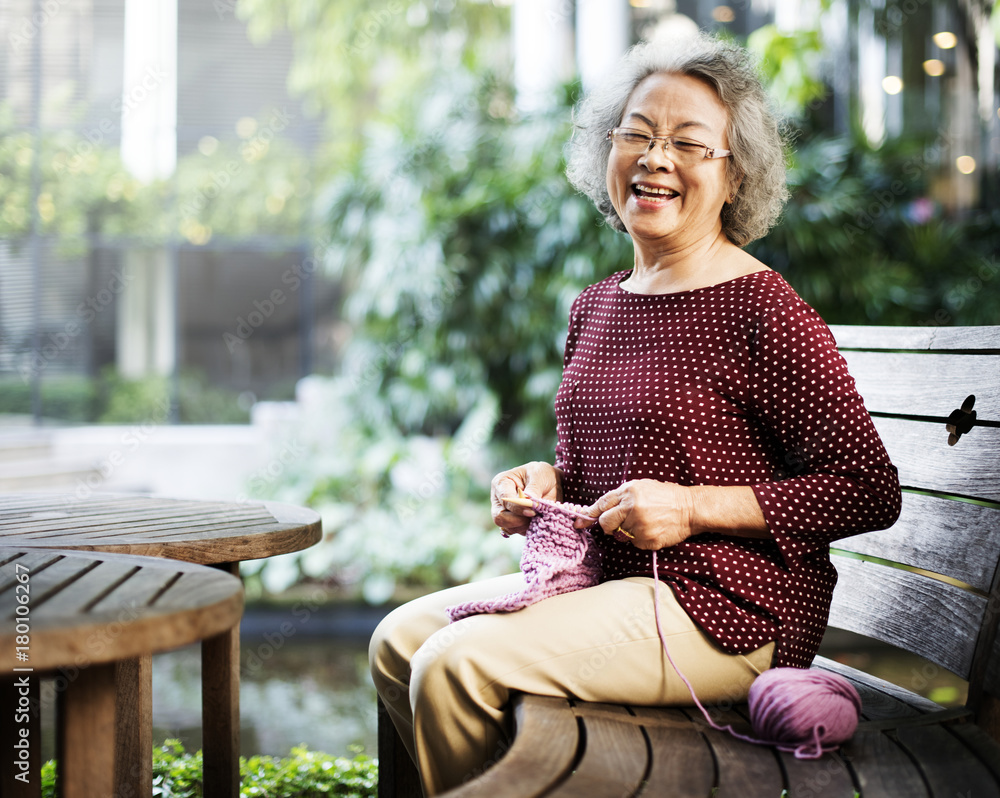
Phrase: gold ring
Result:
[621,534]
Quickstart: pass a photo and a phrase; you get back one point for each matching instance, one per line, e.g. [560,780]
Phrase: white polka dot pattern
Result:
[735,384]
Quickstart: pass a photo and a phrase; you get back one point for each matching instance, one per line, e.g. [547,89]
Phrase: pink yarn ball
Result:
[806,711]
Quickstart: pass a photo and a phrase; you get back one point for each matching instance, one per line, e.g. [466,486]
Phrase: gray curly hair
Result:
[757,165]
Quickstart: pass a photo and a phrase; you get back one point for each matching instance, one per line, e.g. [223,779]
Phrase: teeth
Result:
[665,192]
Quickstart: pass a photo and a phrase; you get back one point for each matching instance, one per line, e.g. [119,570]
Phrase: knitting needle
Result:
[528,504]
[519,501]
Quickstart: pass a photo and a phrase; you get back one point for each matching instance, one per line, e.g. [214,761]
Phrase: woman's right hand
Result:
[537,479]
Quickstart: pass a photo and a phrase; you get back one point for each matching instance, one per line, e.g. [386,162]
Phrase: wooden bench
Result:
[929,585]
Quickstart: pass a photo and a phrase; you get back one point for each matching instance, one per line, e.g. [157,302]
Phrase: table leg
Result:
[85,734]
[220,708]
[20,734]
[134,727]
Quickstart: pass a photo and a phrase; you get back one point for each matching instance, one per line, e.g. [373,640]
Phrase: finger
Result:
[519,506]
[511,524]
[614,518]
[505,486]
[612,505]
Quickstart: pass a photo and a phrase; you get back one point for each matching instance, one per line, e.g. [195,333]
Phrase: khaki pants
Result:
[446,686]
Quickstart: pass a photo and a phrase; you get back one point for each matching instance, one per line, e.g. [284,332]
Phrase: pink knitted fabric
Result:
[557,558]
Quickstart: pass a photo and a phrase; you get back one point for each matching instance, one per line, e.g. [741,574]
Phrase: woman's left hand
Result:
[654,514]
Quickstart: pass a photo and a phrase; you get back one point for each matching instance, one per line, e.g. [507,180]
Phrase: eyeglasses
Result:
[683,151]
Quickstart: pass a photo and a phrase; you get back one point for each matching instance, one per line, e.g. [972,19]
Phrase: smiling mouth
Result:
[653,192]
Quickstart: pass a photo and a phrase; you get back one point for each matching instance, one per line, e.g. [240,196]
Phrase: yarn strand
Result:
[783,704]
[670,659]
[806,712]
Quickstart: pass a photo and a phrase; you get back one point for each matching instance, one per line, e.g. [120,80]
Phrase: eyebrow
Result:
[681,126]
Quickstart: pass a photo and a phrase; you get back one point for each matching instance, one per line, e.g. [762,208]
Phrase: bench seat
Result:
[929,585]
[905,745]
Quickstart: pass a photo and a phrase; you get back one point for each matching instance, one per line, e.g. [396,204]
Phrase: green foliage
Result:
[112,399]
[259,184]
[128,401]
[148,400]
[68,398]
[790,65]
[863,243]
[84,187]
[356,61]
[461,246]
[402,513]
[303,774]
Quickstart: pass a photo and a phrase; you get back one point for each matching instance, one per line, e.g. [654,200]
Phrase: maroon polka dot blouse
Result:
[735,384]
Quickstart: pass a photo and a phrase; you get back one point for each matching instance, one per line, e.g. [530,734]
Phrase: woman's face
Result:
[671,104]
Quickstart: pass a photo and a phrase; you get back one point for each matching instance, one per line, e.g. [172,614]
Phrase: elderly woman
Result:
[704,413]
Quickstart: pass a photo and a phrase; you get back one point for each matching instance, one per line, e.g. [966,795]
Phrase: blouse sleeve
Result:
[837,477]
[570,346]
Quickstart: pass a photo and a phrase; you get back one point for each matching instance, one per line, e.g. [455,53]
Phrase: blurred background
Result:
[322,251]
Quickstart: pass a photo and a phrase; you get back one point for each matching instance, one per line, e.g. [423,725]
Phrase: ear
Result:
[734,188]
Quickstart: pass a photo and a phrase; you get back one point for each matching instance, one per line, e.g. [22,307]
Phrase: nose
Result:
[657,157]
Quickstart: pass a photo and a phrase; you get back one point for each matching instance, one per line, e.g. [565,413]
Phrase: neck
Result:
[669,270]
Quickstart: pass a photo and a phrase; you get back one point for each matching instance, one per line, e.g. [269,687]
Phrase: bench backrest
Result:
[931,584]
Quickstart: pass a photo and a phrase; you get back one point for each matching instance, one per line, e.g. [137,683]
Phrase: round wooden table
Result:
[87,615]
[221,534]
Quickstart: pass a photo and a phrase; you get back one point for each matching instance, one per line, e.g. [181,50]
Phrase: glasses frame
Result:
[710,152]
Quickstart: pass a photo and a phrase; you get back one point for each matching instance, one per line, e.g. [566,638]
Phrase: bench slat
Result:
[954,538]
[830,777]
[947,766]
[978,741]
[881,700]
[851,336]
[682,766]
[882,768]
[745,770]
[920,451]
[924,384]
[614,760]
[542,755]
[937,621]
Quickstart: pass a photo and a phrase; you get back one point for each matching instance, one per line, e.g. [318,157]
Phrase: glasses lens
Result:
[688,150]
[635,142]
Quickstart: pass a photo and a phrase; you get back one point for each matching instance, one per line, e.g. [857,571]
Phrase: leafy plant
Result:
[402,513]
[864,241]
[66,397]
[303,774]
